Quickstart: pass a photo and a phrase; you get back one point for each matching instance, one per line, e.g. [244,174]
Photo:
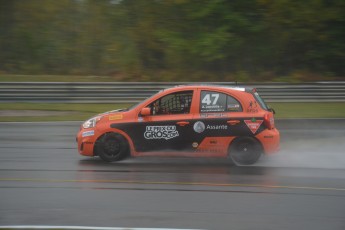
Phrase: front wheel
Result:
[112,147]
[245,151]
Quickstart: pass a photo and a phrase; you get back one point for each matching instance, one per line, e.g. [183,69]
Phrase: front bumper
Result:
[86,142]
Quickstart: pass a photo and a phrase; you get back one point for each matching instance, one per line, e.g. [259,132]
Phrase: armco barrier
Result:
[131,92]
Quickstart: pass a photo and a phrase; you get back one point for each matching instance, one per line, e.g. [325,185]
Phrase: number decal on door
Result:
[212,102]
[207,99]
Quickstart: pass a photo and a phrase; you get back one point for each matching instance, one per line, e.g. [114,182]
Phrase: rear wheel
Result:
[245,151]
[112,147]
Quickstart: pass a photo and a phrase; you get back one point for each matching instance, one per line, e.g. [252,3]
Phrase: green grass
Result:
[309,110]
[88,108]
[80,112]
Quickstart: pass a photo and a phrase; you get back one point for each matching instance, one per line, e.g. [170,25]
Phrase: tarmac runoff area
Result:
[45,182]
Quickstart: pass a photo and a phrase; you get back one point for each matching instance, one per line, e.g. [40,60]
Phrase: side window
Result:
[218,102]
[233,105]
[175,103]
[212,102]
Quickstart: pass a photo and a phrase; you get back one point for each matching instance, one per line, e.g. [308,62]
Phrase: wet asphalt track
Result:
[43,181]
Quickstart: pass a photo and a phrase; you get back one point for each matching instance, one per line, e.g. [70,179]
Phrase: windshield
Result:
[136,104]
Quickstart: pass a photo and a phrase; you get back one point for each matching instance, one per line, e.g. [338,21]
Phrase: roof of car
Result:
[210,86]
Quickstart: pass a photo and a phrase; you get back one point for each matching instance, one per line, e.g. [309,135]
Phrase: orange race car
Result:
[185,121]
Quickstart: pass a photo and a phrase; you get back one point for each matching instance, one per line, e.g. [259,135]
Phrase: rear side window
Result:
[260,101]
[218,102]
[233,105]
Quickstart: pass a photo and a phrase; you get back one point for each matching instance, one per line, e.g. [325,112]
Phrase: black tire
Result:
[245,151]
[112,147]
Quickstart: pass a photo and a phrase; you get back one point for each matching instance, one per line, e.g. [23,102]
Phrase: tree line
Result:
[182,40]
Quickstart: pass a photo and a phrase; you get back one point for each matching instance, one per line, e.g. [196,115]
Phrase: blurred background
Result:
[250,41]
[175,40]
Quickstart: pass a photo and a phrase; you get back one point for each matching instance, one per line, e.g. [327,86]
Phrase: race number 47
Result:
[209,97]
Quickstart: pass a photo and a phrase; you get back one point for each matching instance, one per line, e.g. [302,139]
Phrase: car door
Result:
[220,115]
[168,127]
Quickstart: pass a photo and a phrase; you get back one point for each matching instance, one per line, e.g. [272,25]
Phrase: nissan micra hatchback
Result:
[185,121]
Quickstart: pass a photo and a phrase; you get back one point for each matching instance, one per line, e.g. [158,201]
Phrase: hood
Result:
[113,111]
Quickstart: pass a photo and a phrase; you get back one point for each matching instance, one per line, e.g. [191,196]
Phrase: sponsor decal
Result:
[233,106]
[209,150]
[161,132]
[195,144]
[199,127]
[253,124]
[268,136]
[213,142]
[217,127]
[205,115]
[115,117]
[140,119]
[253,107]
[88,143]
[88,133]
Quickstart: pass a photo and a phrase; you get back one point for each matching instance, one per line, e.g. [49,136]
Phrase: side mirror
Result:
[145,112]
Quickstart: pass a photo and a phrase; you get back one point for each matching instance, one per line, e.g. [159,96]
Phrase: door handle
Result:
[233,122]
[182,123]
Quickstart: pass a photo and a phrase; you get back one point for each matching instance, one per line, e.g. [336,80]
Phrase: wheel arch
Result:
[245,150]
[244,137]
[122,135]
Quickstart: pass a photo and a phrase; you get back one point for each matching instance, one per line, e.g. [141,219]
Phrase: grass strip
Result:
[309,109]
[80,112]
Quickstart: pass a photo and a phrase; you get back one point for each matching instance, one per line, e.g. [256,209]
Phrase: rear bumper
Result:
[270,140]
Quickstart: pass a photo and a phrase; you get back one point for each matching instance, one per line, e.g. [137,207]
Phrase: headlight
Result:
[91,122]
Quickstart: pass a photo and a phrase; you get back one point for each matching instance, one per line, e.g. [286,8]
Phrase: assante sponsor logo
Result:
[199,127]
[161,132]
[216,127]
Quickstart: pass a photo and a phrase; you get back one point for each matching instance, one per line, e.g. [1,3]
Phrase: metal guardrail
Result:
[131,92]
